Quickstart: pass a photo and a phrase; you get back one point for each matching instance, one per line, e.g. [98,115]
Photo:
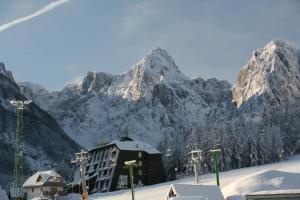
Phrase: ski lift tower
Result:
[16,190]
[196,160]
[81,158]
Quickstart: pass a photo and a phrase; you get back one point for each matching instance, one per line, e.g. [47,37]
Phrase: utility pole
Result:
[196,159]
[215,153]
[81,158]
[17,189]
[130,165]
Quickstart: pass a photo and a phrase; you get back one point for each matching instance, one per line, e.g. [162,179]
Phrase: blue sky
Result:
[206,38]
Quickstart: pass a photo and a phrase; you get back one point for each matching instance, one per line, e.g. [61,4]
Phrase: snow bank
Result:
[3,195]
[268,180]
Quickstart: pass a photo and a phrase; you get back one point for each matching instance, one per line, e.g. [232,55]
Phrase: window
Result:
[95,166]
[140,172]
[171,194]
[140,163]
[39,179]
[140,154]
[113,154]
[123,181]
[53,189]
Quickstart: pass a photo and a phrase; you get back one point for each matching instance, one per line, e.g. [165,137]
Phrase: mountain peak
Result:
[273,69]
[157,58]
[280,43]
[159,53]
[158,65]
[4,72]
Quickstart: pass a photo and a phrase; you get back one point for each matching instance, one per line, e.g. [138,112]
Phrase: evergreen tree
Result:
[191,145]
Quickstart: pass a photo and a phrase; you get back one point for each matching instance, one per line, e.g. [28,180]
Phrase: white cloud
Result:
[43,10]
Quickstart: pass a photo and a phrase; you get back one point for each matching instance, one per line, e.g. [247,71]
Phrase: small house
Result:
[45,185]
[194,192]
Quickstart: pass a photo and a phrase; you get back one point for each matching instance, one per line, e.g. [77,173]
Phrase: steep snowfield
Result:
[278,176]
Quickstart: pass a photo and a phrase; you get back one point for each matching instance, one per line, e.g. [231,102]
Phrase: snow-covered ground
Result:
[234,182]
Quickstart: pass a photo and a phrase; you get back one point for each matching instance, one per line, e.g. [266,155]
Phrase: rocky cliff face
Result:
[45,146]
[272,71]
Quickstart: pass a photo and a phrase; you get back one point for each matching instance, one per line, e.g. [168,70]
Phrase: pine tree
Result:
[191,145]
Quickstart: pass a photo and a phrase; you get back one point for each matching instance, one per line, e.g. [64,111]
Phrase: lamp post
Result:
[216,153]
[17,188]
[196,159]
[130,165]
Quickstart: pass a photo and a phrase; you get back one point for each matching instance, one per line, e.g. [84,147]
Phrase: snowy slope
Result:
[282,175]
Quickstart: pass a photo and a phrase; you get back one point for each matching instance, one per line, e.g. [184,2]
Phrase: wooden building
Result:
[105,169]
[45,185]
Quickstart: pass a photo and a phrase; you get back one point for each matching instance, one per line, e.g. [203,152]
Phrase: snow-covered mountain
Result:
[273,71]
[253,122]
[46,145]
[153,99]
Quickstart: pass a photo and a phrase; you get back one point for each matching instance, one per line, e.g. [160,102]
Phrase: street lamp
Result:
[196,159]
[216,153]
[20,104]
[17,189]
[130,165]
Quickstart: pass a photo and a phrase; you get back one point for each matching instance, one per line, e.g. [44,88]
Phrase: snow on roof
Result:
[188,198]
[133,145]
[268,180]
[45,175]
[271,192]
[209,192]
